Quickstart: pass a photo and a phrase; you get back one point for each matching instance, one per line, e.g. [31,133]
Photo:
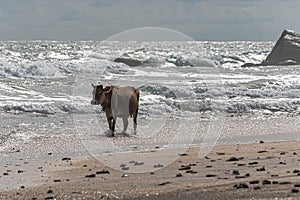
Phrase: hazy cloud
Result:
[99,19]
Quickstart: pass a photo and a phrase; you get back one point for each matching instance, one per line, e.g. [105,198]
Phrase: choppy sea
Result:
[189,91]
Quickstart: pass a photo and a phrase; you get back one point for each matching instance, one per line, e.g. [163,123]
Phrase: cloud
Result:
[99,19]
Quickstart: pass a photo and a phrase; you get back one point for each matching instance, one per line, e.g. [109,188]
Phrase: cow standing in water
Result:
[117,102]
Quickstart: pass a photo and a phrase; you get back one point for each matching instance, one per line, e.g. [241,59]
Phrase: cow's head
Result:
[100,95]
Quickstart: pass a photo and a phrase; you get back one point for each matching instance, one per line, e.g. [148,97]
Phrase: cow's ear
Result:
[107,89]
[101,87]
[93,85]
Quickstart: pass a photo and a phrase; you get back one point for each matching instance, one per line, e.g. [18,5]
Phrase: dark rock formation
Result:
[286,50]
[129,61]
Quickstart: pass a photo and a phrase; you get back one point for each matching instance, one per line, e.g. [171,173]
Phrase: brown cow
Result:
[117,102]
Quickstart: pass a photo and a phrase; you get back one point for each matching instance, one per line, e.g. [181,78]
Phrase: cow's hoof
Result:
[110,133]
[125,133]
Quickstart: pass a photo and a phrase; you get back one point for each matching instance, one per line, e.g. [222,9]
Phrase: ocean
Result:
[192,93]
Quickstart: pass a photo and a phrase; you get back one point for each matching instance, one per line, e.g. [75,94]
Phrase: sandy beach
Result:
[262,170]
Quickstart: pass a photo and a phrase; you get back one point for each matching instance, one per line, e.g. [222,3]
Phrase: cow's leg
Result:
[134,122]
[125,124]
[111,125]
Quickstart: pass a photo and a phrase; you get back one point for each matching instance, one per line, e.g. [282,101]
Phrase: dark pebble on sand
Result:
[125,168]
[138,163]
[164,183]
[261,142]
[191,172]
[185,167]
[295,191]
[84,165]
[261,169]
[220,153]
[275,182]
[253,163]
[241,164]
[211,175]
[284,183]
[241,185]
[282,153]
[65,159]
[49,154]
[5,174]
[297,185]
[179,175]
[296,171]
[232,159]
[49,191]
[182,154]
[22,187]
[266,182]
[47,198]
[282,163]
[158,166]
[208,166]
[262,151]
[256,188]
[235,172]
[91,176]
[103,172]
[20,171]
[254,182]
[56,180]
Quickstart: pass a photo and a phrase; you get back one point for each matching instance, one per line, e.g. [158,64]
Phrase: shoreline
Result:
[263,170]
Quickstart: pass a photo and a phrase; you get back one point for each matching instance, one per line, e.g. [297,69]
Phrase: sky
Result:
[217,20]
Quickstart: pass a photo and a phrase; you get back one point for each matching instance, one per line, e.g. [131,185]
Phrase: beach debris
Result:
[56,180]
[253,163]
[236,172]
[261,169]
[138,163]
[125,168]
[285,183]
[158,166]
[91,176]
[50,191]
[5,174]
[66,159]
[297,185]
[220,153]
[210,175]
[261,142]
[164,183]
[179,175]
[241,186]
[256,188]
[254,182]
[232,159]
[84,165]
[296,171]
[209,166]
[275,182]
[124,175]
[263,151]
[185,167]
[191,172]
[295,191]
[22,187]
[266,182]
[20,171]
[182,154]
[103,172]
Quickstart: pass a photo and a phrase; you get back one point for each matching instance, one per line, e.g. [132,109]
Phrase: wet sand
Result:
[262,170]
